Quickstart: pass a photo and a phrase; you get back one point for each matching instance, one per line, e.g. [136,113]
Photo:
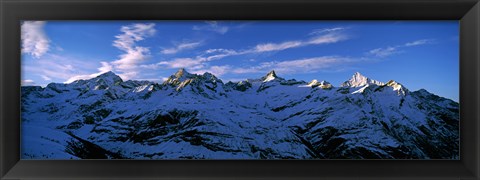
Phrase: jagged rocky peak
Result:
[313,83]
[104,81]
[358,80]
[394,84]
[109,77]
[322,84]
[180,73]
[397,87]
[179,76]
[271,76]
[210,77]
[325,85]
[241,85]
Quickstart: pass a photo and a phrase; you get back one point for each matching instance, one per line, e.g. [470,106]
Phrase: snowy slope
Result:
[193,116]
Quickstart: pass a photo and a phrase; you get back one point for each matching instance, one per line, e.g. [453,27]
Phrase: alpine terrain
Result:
[192,116]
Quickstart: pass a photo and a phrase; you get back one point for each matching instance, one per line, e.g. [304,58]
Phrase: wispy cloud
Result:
[383,52]
[181,47]
[212,26]
[134,54]
[182,63]
[298,65]
[268,47]
[127,66]
[103,69]
[391,50]
[200,62]
[52,67]
[322,39]
[277,47]
[34,40]
[327,39]
[215,70]
[419,42]
[326,30]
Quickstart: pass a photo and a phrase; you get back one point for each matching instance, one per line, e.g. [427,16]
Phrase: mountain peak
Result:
[108,77]
[322,84]
[359,80]
[397,87]
[109,73]
[272,73]
[180,76]
[181,72]
[270,76]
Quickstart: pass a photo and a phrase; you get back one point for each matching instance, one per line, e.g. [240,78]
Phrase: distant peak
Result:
[107,79]
[397,87]
[358,74]
[323,84]
[313,83]
[181,72]
[270,76]
[179,77]
[359,80]
[272,73]
[210,76]
[109,73]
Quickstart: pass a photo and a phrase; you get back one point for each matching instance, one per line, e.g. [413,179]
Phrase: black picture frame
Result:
[13,11]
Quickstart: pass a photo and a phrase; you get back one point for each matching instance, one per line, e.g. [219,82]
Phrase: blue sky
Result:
[418,54]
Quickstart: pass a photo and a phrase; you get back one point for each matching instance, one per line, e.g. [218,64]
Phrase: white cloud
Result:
[128,63]
[132,34]
[277,47]
[28,82]
[34,40]
[383,52]
[36,43]
[210,51]
[215,70]
[55,67]
[326,30]
[181,63]
[103,69]
[180,47]
[212,26]
[200,62]
[323,39]
[388,51]
[214,54]
[419,42]
[297,66]
[327,39]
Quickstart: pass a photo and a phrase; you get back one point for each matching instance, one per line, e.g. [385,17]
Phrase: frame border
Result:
[466,11]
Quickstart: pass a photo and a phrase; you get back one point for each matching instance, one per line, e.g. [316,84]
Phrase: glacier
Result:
[192,116]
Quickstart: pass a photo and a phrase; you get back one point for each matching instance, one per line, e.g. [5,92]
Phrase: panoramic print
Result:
[240,90]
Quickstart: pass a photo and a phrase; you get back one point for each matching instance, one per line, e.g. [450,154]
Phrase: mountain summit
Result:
[109,77]
[180,76]
[359,80]
[271,76]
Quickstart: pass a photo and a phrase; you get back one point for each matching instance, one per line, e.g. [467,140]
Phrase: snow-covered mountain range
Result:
[192,116]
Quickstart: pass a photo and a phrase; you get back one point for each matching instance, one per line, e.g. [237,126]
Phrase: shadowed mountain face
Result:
[192,116]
